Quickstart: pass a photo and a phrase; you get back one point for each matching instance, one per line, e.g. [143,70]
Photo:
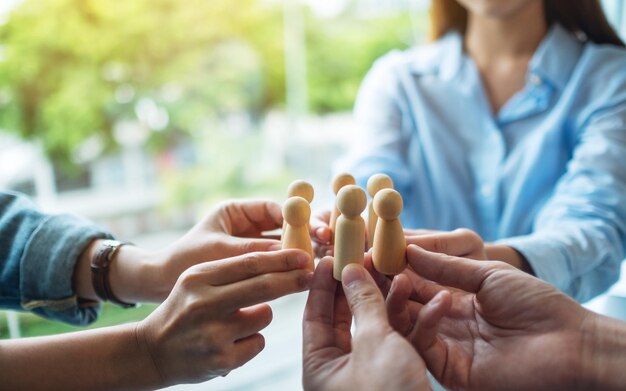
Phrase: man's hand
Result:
[376,358]
[209,324]
[502,329]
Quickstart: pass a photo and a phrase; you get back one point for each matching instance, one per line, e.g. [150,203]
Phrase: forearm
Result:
[131,275]
[110,358]
[604,353]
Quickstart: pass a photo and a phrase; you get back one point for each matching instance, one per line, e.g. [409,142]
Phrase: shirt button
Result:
[535,79]
[486,190]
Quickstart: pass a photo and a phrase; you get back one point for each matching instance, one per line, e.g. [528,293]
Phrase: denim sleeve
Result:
[38,253]
[580,234]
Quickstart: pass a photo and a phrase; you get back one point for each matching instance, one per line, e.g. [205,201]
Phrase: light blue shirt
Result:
[546,175]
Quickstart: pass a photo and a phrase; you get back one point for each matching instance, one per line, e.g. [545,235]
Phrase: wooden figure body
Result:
[375,184]
[350,228]
[297,213]
[389,255]
[300,188]
[339,182]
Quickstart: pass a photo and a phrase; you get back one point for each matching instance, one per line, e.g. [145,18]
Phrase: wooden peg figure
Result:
[339,182]
[297,213]
[350,228]
[300,188]
[375,184]
[389,255]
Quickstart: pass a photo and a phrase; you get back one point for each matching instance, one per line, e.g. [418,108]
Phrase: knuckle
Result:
[251,263]
[248,246]
[190,276]
[440,245]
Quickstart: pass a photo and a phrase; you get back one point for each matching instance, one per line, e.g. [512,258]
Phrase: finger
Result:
[419,232]
[397,304]
[319,229]
[228,271]
[459,242]
[425,338]
[250,218]
[422,290]
[462,273]
[365,300]
[246,349]
[241,246]
[262,288]
[317,326]
[249,321]
[342,320]
[383,282]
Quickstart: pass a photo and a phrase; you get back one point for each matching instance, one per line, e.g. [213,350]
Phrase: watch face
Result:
[110,243]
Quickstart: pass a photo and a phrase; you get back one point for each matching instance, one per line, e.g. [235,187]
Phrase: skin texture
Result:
[375,358]
[214,281]
[208,326]
[487,326]
[232,228]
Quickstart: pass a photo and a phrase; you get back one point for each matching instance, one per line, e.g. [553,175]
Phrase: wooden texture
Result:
[300,188]
[339,182]
[350,228]
[297,213]
[389,254]
[375,184]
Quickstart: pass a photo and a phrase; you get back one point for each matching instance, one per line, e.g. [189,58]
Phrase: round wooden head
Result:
[296,211]
[342,180]
[302,189]
[388,204]
[351,200]
[378,182]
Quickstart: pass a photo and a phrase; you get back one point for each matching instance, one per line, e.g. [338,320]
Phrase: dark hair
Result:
[584,17]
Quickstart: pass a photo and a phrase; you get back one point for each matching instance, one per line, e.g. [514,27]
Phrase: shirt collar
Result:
[451,54]
[553,61]
[555,58]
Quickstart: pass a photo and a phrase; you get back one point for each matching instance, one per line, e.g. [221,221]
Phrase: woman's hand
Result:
[210,323]
[233,228]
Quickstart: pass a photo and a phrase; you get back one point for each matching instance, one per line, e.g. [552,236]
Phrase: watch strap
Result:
[100,265]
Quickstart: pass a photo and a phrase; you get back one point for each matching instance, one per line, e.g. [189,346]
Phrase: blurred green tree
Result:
[72,71]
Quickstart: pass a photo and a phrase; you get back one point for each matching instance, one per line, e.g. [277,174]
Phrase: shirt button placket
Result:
[493,153]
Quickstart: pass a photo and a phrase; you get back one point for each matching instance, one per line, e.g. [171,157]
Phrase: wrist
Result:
[604,353]
[132,275]
[499,252]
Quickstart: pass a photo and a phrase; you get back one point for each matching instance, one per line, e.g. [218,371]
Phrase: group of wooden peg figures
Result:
[384,233]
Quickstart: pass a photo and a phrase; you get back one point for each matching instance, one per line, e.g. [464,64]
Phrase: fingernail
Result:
[352,275]
[303,260]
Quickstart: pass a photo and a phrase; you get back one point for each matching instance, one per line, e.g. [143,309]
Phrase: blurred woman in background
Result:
[511,123]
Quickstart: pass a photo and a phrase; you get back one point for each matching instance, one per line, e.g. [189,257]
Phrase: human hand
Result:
[502,329]
[376,357]
[232,228]
[461,242]
[209,324]
[321,234]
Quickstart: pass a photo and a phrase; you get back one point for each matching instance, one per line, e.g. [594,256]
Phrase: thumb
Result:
[365,299]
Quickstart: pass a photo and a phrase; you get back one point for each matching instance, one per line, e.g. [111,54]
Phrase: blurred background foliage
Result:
[73,69]
[190,84]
